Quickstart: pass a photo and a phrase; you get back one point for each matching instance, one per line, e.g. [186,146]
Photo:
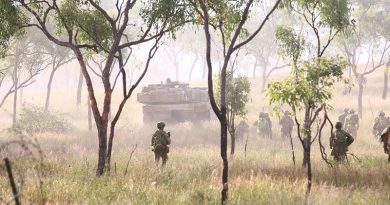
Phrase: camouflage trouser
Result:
[286,133]
[339,154]
[161,152]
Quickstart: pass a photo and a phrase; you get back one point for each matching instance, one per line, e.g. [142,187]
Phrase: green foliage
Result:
[34,119]
[289,42]
[225,16]
[92,26]
[237,93]
[173,13]
[333,14]
[11,21]
[310,85]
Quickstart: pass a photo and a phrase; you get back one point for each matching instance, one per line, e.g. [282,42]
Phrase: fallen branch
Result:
[128,162]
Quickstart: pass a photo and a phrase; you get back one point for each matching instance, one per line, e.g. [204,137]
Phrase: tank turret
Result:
[174,102]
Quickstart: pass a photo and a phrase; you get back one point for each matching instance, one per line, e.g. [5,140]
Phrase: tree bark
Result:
[360,100]
[204,74]
[79,87]
[101,121]
[263,79]
[385,84]
[89,115]
[306,139]
[48,91]
[21,97]
[254,70]
[16,82]
[192,67]
[225,169]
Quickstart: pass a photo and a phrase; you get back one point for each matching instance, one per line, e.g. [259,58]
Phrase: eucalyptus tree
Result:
[306,91]
[89,27]
[24,61]
[237,96]
[367,43]
[325,19]
[264,49]
[58,57]
[313,75]
[227,18]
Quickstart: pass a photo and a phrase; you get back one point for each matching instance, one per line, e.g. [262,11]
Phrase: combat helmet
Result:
[338,125]
[381,113]
[160,125]
[352,111]
[346,109]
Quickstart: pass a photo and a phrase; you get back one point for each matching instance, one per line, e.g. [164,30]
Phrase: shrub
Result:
[35,119]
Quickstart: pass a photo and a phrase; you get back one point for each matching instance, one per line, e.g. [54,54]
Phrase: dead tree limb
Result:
[12,181]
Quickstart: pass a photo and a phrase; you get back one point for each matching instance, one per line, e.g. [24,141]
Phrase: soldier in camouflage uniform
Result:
[343,116]
[264,125]
[352,123]
[339,142]
[287,125]
[160,142]
[381,123]
[242,129]
[385,138]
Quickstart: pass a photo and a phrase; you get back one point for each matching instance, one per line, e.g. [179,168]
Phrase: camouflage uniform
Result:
[343,116]
[339,143]
[352,123]
[264,125]
[160,142]
[242,129]
[385,138]
[381,123]
[287,125]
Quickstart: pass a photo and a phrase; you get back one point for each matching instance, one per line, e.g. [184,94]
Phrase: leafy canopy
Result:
[11,21]
[310,85]
[237,93]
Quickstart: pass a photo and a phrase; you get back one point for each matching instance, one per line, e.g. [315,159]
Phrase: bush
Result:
[35,119]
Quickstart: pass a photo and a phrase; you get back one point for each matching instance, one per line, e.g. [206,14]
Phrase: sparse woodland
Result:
[72,130]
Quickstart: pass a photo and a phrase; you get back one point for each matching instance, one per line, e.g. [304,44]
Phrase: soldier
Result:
[242,129]
[264,125]
[352,123]
[385,138]
[287,125]
[344,115]
[381,123]
[160,142]
[339,142]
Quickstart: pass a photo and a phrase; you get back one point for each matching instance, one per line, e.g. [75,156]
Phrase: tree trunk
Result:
[306,139]
[21,97]
[112,133]
[16,82]
[309,174]
[204,74]
[360,100]
[48,91]
[233,143]
[79,87]
[263,79]
[177,75]
[100,120]
[254,70]
[192,68]
[225,169]
[385,84]
[89,115]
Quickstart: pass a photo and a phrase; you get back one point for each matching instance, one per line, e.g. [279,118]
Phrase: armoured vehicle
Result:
[174,102]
